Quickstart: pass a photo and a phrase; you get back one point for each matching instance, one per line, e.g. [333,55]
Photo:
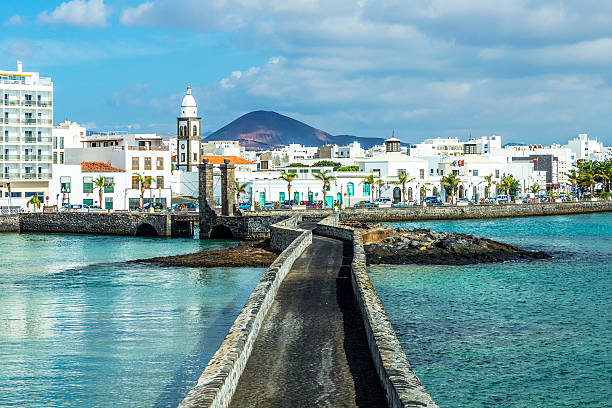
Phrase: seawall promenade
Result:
[447,212]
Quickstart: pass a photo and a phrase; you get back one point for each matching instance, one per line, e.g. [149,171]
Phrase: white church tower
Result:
[189,143]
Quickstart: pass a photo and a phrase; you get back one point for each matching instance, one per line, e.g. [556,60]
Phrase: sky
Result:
[530,71]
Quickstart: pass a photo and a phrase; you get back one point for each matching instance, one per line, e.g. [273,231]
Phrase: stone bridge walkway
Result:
[312,350]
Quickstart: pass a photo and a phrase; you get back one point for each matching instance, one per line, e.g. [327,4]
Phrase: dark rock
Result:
[422,246]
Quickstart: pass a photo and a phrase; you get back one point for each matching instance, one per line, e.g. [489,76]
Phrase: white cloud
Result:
[15,20]
[81,13]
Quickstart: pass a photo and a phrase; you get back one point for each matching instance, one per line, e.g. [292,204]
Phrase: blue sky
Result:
[530,71]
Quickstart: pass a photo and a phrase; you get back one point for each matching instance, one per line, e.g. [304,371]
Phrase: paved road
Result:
[312,351]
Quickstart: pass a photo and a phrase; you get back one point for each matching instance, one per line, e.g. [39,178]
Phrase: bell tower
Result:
[189,136]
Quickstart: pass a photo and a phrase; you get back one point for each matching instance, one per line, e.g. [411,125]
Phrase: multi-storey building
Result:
[26,120]
[67,135]
[132,154]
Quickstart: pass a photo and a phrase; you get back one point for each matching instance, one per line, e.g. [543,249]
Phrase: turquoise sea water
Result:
[516,334]
[80,328]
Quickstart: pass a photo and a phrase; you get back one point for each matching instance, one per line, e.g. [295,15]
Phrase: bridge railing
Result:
[218,382]
[401,385]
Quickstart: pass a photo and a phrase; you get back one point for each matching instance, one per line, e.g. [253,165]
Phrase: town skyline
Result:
[529,73]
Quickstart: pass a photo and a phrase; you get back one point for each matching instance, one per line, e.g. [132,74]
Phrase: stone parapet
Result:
[218,382]
[9,223]
[284,232]
[401,385]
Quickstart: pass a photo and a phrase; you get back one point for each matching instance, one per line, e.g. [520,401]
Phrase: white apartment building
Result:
[73,184]
[437,147]
[143,154]
[585,148]
[26,118]
[67,135]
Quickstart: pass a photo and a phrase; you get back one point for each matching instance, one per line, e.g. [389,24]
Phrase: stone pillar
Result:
[206,199]
[228,188]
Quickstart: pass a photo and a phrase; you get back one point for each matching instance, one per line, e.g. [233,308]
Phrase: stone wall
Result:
[472,212]
[284,232]
[218,382]
[448,212]
[9,223]
[401,385]
[249,226]
[95,223]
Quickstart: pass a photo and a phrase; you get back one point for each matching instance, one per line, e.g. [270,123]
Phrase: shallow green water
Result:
[80,328]
[517,334]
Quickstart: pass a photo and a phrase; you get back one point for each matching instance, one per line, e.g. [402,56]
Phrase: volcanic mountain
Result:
[264,130]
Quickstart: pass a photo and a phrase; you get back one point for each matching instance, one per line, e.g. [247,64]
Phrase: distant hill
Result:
[264,130]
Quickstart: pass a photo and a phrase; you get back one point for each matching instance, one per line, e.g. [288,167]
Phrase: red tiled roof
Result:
[219,159]
[100,167]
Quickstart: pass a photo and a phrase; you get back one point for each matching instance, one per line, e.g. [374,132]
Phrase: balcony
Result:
[151,148]
[12,139]
[29,139]
[11,176]
[11,157]
[44,157]
[28,157]
[28,121]
[44,122]
[44,139]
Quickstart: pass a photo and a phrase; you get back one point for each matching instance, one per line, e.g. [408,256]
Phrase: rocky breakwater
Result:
[423,246]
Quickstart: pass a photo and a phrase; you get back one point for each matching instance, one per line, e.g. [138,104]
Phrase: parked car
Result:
[312,204]
[268,206]
[365,204]
[244,206]
[156,206]
[464,201]
[502,198]
[433,201]
[185,206]
[490,200]
[383,202]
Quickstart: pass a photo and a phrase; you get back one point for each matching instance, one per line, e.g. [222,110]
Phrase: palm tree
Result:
[402,178]
[240,189]
[380,183]
[535,188]
[100,183]
[288,177]
[326,178]
[143,182]
[490,181]
[451,182]
[370,181]
[35,202]
[573,178]
[507,183]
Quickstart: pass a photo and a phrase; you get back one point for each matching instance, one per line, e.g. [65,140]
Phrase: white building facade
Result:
[26,118]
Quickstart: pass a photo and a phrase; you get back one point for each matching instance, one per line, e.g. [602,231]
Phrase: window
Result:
[182,157]
[108,203]
[147,163]
[135,164]
[88,201]
[350,189]
[303,170]
[61,142]
[422,173]
[65,184]
[160,163]
[281,196]
[134,203]
[55,142]
[159,182]
[54,157]
[292,171]
[496,173]
[195,130]
[135,184]
[475,172]
[195,157]
[109,185]
[366,189]
[87,185]
[456,172]
[61,158]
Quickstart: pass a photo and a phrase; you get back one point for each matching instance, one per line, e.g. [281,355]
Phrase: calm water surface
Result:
[80,328]
[518,334]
